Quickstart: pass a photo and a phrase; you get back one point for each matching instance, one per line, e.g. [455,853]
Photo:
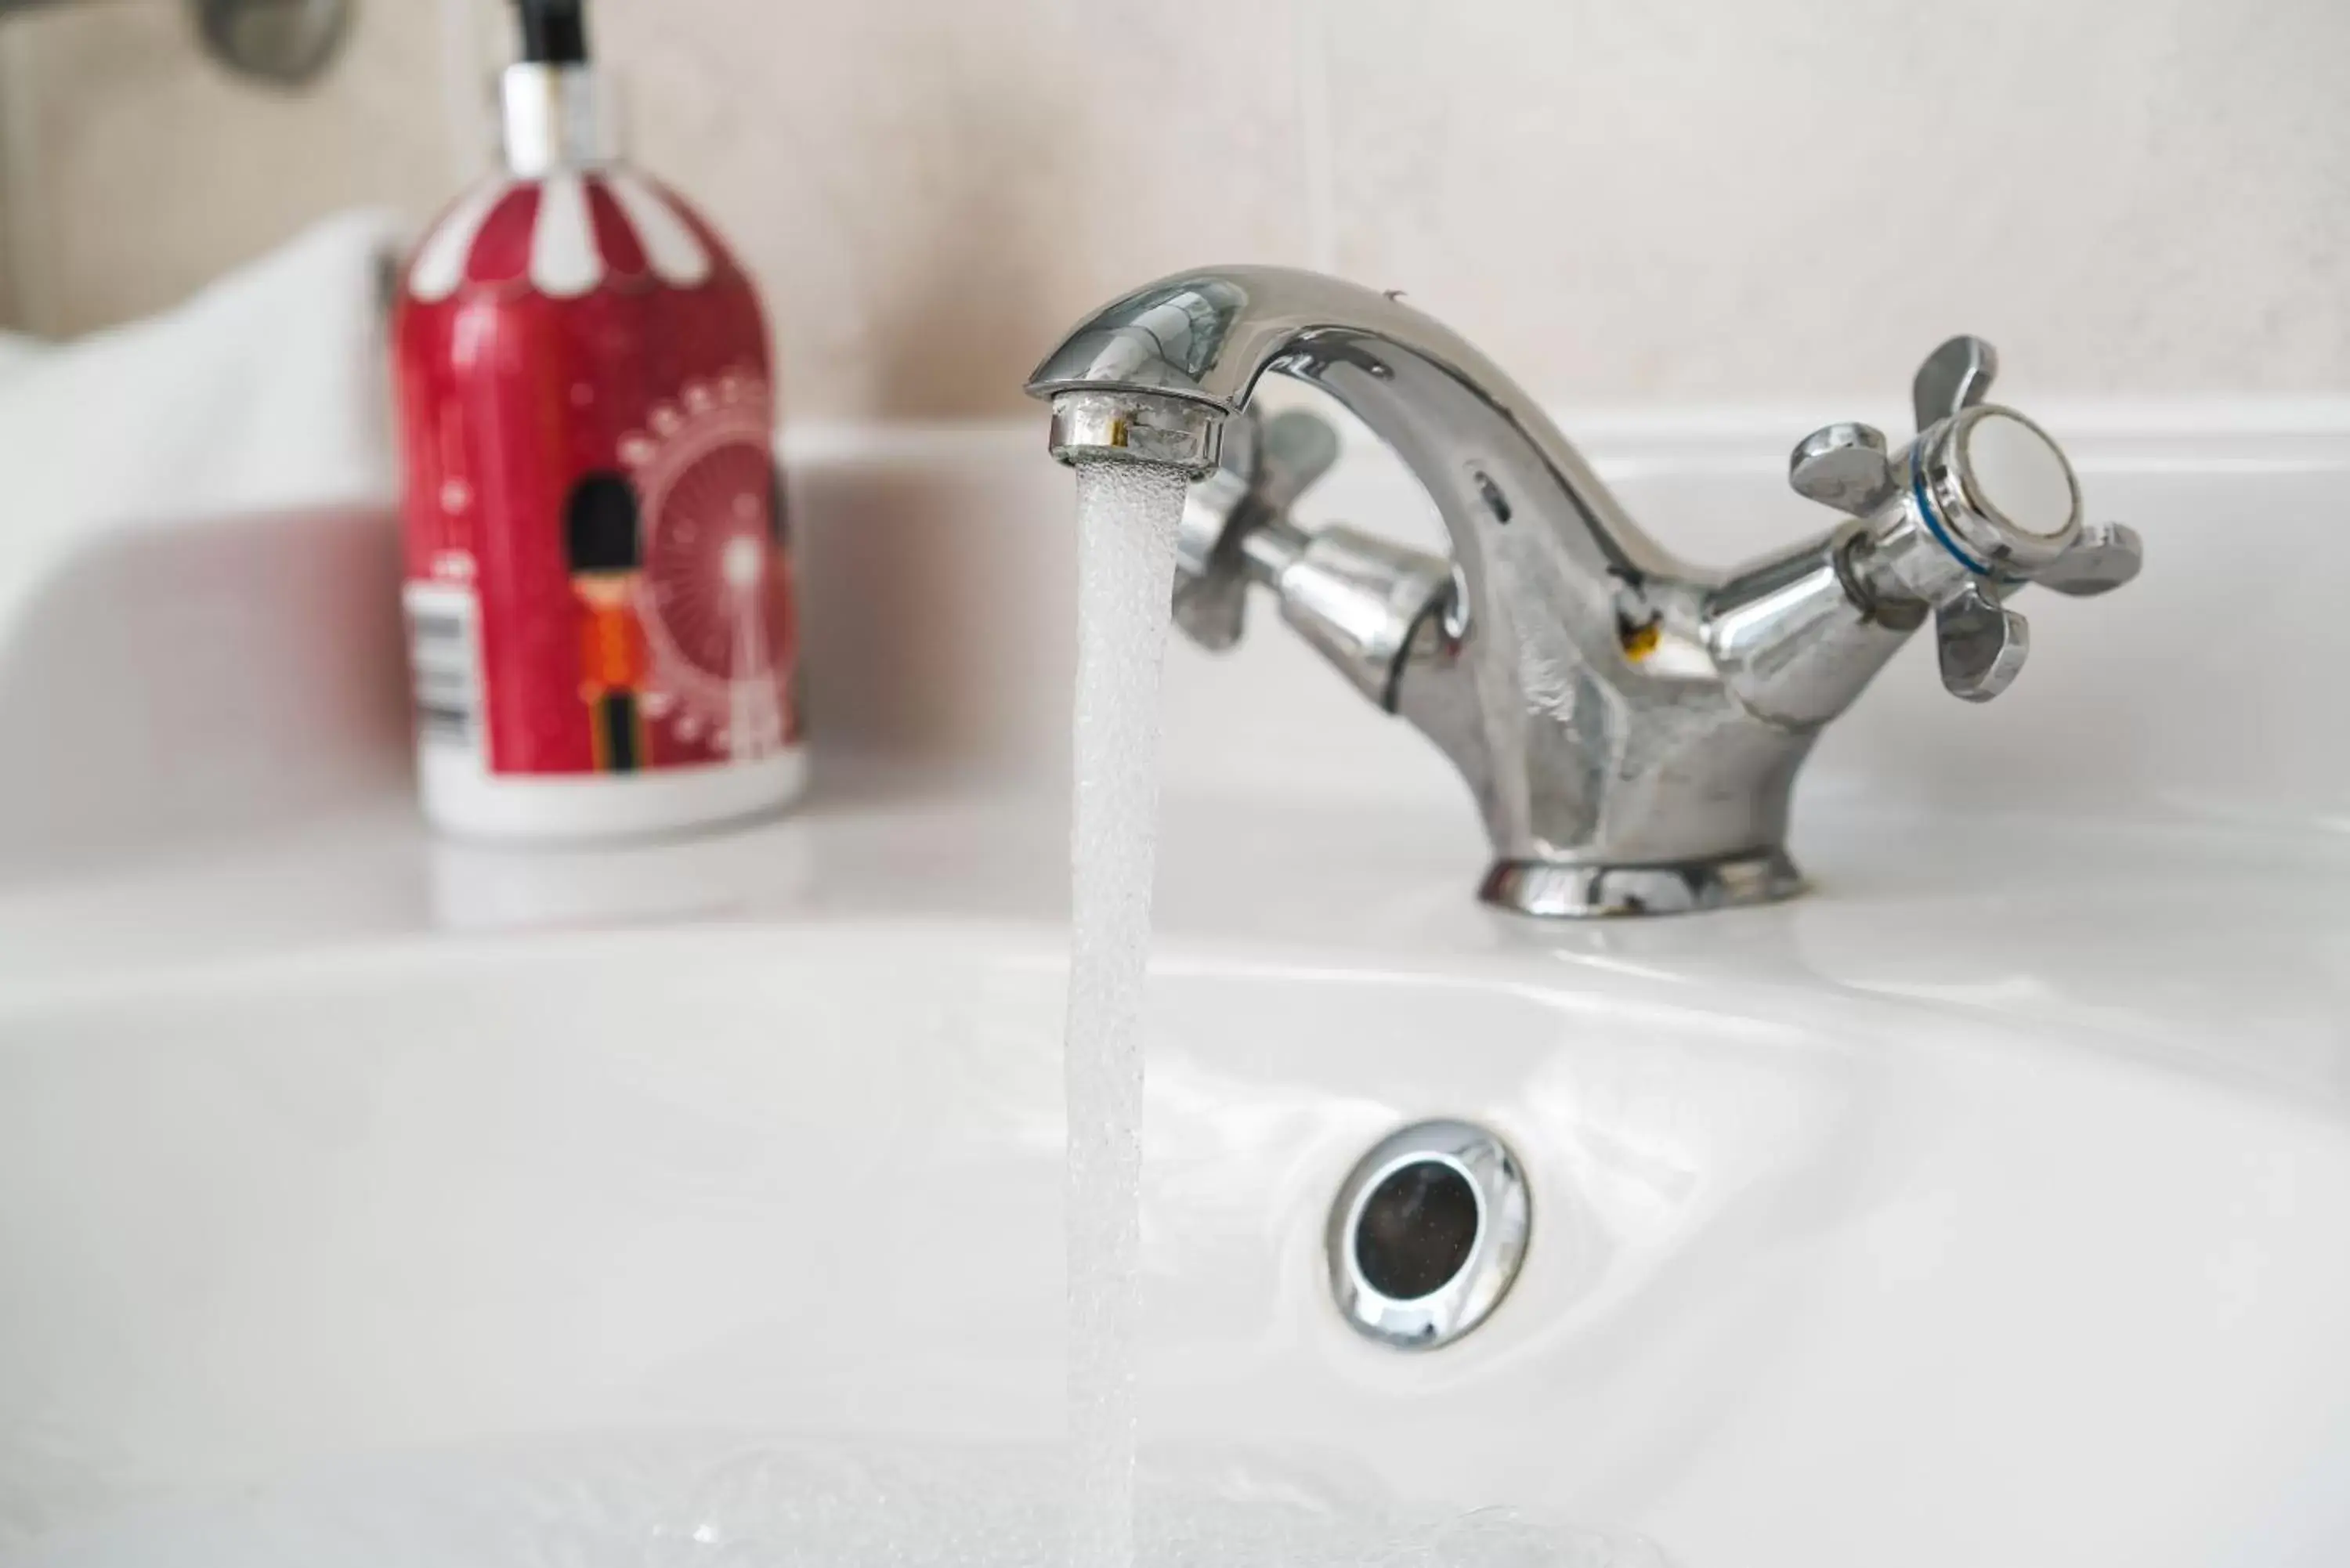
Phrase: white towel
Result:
[199,562]
[266,390]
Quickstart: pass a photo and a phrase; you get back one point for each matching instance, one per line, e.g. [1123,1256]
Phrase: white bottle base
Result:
[463,798]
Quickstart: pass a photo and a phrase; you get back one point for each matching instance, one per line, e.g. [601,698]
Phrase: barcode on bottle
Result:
[444,657]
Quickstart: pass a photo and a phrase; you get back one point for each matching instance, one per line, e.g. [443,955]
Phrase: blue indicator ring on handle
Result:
[1933,519]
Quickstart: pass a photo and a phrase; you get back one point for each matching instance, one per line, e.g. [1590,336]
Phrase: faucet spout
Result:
[1533,683]
[1209,336]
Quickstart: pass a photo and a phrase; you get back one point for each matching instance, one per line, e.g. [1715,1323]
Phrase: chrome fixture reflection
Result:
[1427,1233]
[288,43]
[1629,724]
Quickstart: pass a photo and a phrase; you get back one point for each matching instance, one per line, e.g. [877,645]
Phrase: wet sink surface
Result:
[1820,1274]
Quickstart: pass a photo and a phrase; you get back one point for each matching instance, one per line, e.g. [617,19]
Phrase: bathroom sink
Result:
[1827,1266]
[1984,1205]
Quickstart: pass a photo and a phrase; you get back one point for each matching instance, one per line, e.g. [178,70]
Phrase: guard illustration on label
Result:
[608,562]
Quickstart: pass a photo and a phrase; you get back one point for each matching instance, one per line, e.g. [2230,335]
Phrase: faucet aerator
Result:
[1094,424]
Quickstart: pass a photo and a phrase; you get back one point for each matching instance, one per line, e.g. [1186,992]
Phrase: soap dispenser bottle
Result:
[600,622]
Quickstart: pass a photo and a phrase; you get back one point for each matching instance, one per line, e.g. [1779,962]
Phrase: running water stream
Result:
[1128,519]
[1127,515]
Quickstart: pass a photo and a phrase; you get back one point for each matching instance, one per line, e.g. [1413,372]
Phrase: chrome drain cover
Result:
[1427,1233]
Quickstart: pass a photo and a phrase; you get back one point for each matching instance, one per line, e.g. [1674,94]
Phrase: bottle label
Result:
[630,614]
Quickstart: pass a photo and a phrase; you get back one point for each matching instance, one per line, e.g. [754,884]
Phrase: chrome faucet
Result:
[1629,724]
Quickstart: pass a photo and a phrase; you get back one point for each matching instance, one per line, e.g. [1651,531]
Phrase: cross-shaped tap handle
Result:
[1980,503]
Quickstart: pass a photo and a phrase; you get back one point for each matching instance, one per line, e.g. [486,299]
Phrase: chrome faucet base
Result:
[1555,891]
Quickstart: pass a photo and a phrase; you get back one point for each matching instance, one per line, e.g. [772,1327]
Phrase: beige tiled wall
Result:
[1708,200]
[134,170]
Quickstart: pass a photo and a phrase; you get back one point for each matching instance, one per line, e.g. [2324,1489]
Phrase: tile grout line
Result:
[23,294]
[466,90]
[1310,41]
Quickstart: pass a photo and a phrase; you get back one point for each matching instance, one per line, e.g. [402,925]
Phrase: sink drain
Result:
[1427,1233]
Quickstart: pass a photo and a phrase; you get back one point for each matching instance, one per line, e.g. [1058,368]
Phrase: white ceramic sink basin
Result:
[1986,1206]
[1819,1276]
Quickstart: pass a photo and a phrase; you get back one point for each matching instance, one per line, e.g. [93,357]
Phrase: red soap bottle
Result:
[599,591]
